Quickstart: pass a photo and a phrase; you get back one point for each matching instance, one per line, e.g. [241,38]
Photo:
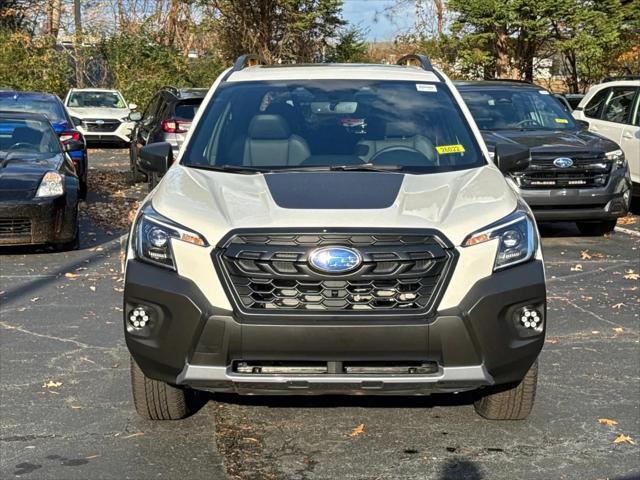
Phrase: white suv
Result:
[101,115]
[612,110]
[334,229]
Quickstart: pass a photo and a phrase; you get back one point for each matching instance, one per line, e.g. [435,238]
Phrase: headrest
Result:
[400,129]
[269,127]
[26,135]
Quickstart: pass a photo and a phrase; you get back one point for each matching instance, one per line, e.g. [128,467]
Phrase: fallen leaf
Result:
[359,430]
[250,439]
[92,288]
[618,329]
[551,340]
[71,275]
[92,456]
[628,220]
[631,275]
[137,434]
[118,289]
[595,332]
[607,421]
[576,268]
[622,438]
[76,407]
[35,299]
[617,306]
[584,255]
[51,384]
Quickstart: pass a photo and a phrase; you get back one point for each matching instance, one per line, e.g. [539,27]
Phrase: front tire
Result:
[155,400]
[509,402]
[596,229]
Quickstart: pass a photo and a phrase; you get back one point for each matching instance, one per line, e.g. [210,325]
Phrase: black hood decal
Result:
[334,190]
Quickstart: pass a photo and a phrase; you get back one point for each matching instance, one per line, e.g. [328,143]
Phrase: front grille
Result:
[15,227]
[270,273]
[106,126]
[588,170]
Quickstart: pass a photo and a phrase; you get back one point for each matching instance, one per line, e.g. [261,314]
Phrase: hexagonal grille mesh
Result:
[270,273]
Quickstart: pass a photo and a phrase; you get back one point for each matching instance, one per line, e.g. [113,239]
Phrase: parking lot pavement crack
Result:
[7,326]
[583,310]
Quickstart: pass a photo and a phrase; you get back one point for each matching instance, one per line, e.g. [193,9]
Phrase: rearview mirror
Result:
[135,116]
[511,157]
[156,157]
[132,106]
[582,124]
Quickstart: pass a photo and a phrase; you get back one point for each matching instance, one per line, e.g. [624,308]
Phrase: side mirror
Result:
[510,157]
[135,116]
[132,106]
[156,157]
[582,124]
[73,145]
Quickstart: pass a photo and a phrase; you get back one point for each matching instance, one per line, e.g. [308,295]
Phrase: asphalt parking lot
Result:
[66,410]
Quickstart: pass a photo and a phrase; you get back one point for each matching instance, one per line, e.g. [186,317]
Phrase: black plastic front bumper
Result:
[51,220]
[190,342]
[571,204]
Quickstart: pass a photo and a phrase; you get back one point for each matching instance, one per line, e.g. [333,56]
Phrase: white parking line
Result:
[628,231]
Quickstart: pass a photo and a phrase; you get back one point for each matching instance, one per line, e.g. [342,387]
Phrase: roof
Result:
[35,95]
[332,71]
[501,84]
[94,90]
[622,83]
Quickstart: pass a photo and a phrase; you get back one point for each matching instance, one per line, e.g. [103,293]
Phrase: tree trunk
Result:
[440,11]
[501,52]
[78,39]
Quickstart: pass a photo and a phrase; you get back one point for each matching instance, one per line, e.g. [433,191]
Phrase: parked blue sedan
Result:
[53,108]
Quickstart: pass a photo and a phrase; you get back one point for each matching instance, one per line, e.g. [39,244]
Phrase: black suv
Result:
[167,118]
[574,174]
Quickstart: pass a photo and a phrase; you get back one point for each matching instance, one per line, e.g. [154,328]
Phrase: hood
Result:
[102,113]
[213,203]
[556,141]
[20,177]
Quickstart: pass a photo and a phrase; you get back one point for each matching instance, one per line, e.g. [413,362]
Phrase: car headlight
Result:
[154,234]
[51,185]
[517,239]
[617,157]
[76,121]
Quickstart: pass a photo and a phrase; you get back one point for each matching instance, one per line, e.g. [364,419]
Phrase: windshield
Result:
[415,127]
[96,100]
[517,110]
[49,107]
[32,139]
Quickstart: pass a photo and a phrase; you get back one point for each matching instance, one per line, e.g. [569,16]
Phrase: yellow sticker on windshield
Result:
[562,120]
[450,149]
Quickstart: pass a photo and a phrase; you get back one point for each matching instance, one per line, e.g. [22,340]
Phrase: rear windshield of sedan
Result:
[30,138]
[417,127]
[524,109]
[49,107]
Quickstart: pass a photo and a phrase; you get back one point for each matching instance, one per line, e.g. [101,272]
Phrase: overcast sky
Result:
[369,15]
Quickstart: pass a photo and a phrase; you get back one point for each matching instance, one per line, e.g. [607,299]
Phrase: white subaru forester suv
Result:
[334,229]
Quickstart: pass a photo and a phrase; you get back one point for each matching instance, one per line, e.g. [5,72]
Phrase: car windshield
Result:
[27,138]
[522,109]
[96,100]
[352,124]
[49,107]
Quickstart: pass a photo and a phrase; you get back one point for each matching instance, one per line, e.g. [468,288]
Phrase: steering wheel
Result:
[412,157]
[23,146]
[530,121]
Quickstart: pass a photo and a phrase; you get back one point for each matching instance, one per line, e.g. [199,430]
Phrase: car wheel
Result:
[155,400]
[596,229]
[509,402]
[136,175]
[82,190]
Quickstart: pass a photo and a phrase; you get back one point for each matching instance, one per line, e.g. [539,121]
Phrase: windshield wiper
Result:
[228,168]
[366,167]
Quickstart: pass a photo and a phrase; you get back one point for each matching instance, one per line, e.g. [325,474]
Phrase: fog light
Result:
[139,317]
[530,318]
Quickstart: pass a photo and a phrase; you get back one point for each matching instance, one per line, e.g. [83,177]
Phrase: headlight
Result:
[517,239]
[617,157]
[76,121]
[154,234]
[51,185]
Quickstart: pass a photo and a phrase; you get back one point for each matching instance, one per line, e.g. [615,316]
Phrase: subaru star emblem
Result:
[335,259]
[99,122]
[563,162]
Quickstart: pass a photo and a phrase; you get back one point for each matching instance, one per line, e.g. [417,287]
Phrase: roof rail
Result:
[414,60]
[171,88]
[621,77]
[249,60]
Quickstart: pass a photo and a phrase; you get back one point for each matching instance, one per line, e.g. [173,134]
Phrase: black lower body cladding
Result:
[38,222]
[574,204]
[190,342]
